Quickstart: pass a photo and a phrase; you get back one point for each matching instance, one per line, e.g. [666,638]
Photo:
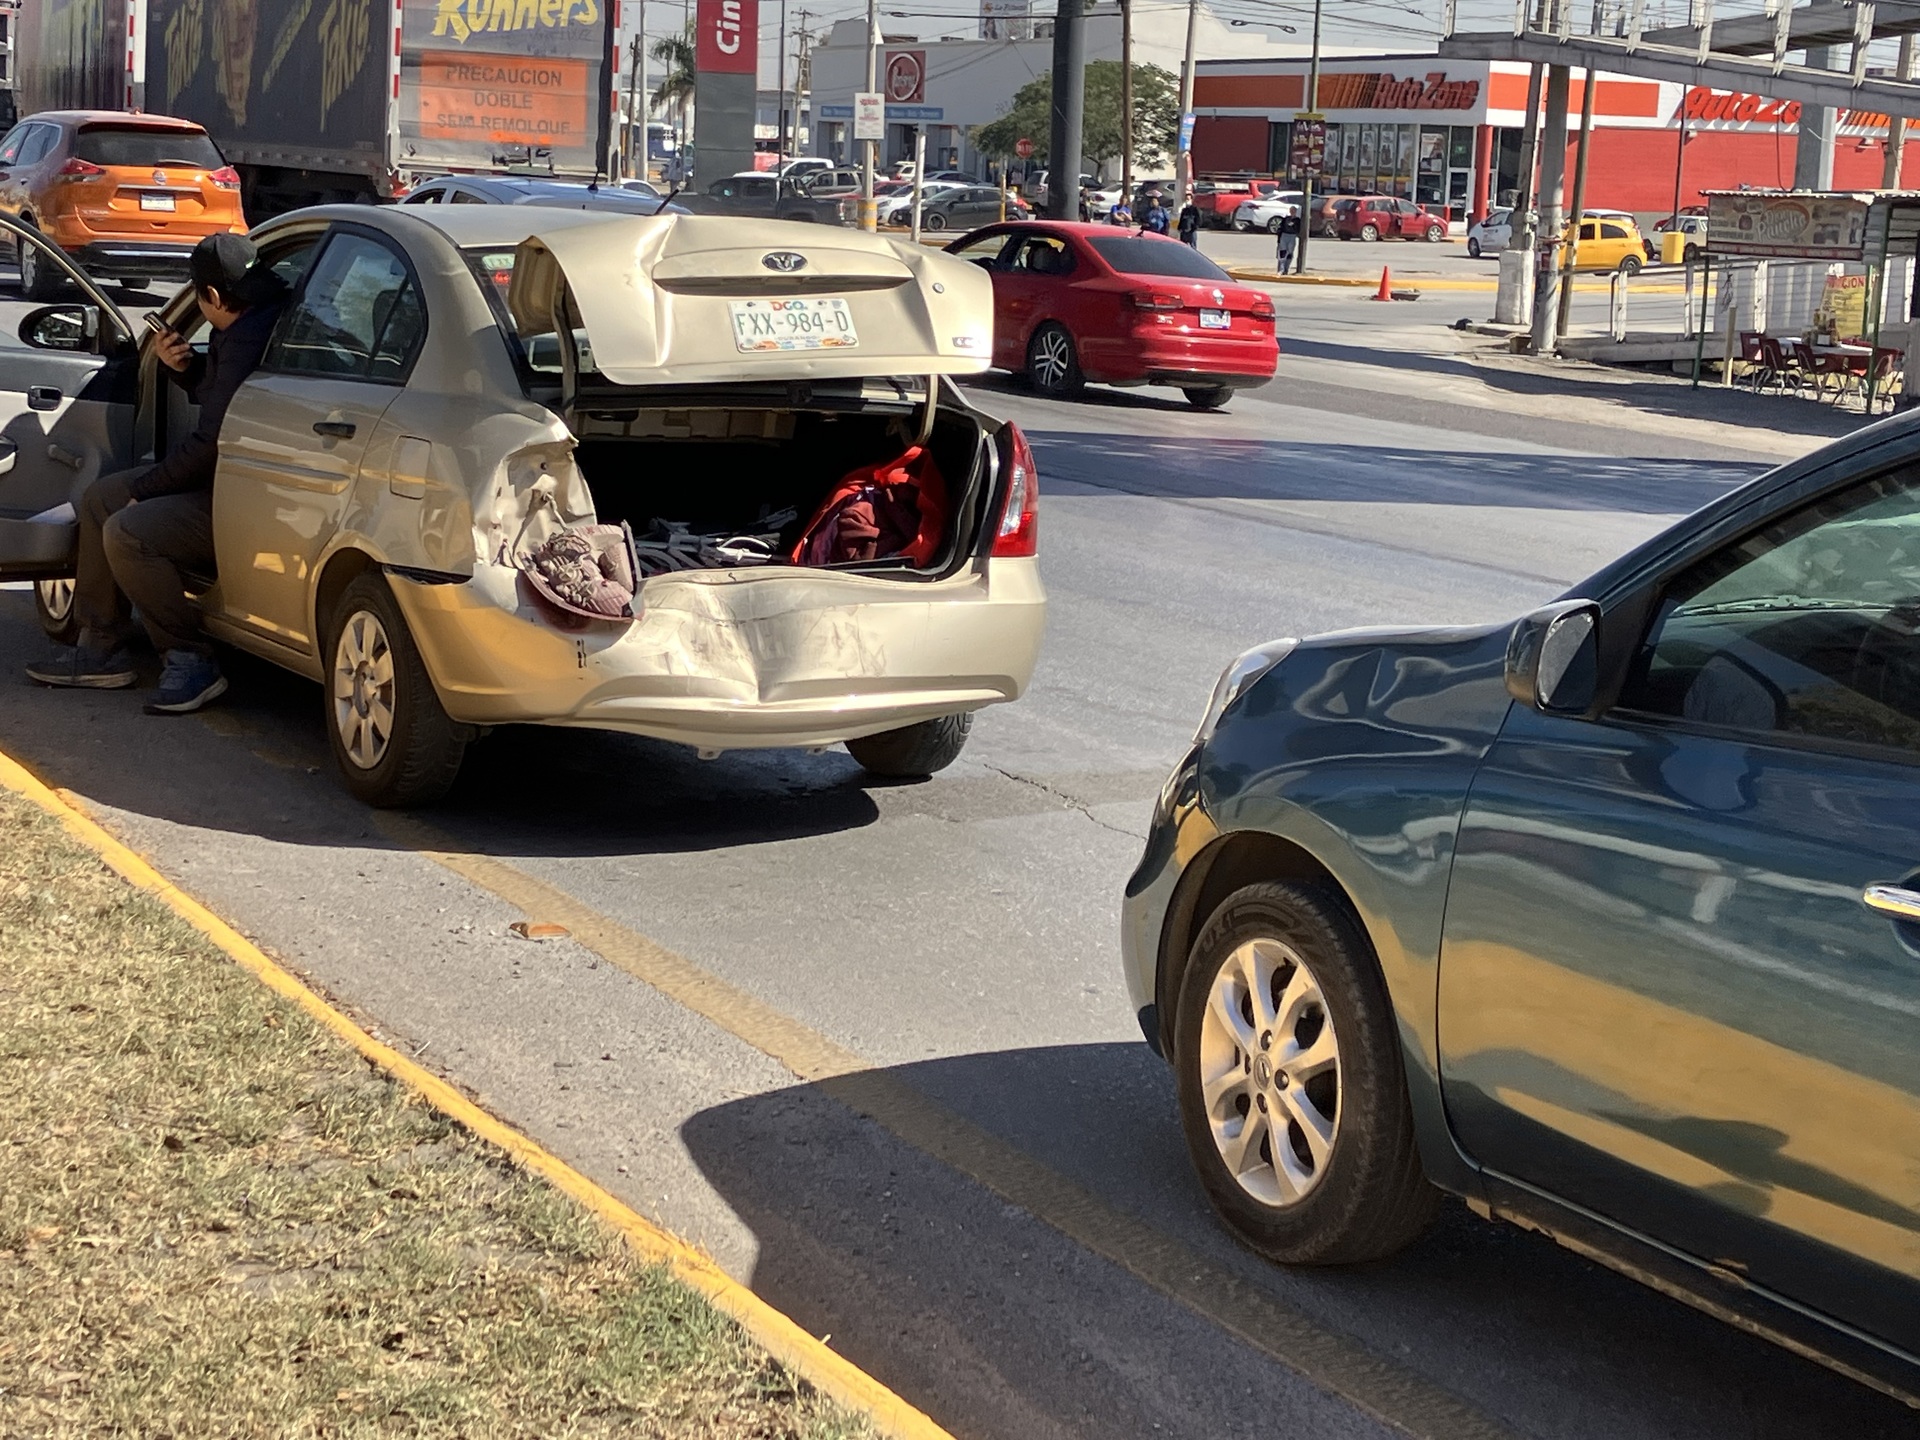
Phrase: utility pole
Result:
[1579,198]
[1126,102]
[1183,165]
[638,48]
[1069,111]
[1553,184]
[802,80]
[1513,304]
[869,213]
[1897,125]
[780,106]
[1313,108]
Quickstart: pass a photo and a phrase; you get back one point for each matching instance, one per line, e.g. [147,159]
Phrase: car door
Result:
[1680,969]
[291,446]
[987,251]
[69,385]
[1033,281]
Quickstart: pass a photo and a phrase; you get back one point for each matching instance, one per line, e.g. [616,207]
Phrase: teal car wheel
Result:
[1291,1091]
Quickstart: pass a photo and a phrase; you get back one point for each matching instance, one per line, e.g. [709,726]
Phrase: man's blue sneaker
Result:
[189,681]
[86,667]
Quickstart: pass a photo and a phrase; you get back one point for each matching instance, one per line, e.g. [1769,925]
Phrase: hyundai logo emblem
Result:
[785,261]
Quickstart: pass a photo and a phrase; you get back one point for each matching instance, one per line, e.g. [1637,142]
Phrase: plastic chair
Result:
[1754,356]
[1888,374]
[1783,370]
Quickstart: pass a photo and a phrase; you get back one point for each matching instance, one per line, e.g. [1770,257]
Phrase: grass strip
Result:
[216,1219]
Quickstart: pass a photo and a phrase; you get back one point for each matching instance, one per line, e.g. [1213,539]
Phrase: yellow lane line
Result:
[1333,1361]
[808,1357]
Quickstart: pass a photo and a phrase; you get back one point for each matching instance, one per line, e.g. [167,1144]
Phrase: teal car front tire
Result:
[1291,1091]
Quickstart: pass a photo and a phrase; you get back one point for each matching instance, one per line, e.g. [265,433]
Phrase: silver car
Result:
[454,388]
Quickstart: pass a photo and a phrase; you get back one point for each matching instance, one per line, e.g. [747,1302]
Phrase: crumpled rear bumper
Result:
[731,659]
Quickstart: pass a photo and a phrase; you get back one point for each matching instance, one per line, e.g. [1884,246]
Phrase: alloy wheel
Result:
[363,690]
[1052,358]
[56,598]
[1270,1072]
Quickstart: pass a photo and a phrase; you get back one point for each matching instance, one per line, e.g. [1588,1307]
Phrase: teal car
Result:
[1607,921]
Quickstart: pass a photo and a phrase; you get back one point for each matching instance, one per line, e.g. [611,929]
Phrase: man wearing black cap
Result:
[139,529]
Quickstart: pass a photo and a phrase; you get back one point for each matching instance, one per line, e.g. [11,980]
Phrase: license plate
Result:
[823,323]
[1215,320]
[156,202]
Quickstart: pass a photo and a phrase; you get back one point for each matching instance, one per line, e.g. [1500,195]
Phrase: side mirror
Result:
[73,328]
[1553,658]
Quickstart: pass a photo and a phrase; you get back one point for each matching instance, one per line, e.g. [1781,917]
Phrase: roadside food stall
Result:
[1816,287]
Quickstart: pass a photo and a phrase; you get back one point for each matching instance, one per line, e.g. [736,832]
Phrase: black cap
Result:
[231,264]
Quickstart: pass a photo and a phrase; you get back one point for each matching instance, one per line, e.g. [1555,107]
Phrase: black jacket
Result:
[232,355]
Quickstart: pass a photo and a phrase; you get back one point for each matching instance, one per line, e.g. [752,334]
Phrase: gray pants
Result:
[1283,257]
[132,555]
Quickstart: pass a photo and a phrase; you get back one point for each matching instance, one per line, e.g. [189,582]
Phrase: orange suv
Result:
[127,196]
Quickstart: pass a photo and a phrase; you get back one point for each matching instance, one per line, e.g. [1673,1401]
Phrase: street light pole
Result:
[1183,164]
[1068,104]
[869,215]
[1313,108]
[780,105]
[1126,102]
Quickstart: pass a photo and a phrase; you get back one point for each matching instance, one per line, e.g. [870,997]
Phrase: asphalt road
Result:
[869,1044]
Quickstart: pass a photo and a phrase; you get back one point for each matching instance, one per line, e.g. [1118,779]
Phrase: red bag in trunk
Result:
[896,508]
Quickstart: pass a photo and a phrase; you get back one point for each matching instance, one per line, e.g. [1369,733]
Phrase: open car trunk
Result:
[731,479]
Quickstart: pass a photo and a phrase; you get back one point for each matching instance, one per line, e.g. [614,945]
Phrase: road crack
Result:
[1071,802]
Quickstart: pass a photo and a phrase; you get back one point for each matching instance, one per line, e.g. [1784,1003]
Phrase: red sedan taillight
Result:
[1262,309]
[226,178]
[1155,300]
[78,169]
[1019,533]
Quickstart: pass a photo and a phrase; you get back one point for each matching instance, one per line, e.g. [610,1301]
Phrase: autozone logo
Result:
[1375,90]
[1739,108]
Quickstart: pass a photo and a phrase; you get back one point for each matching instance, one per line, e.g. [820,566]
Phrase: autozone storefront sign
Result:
[1379,90]
[1736,107]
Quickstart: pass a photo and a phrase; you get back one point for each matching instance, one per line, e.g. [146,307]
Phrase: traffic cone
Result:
[1385,292]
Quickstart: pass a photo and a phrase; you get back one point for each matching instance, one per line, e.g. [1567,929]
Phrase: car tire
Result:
[932,220]
[38,279]
[1629,264]
[53,608]
[1356,1191]
[415,757]
[1276,225]
[1207,397]
[1369,232]
[1053,361]
[913,752]
[1435,233]
[1473,247]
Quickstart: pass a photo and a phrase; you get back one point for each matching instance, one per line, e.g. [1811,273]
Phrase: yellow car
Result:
[1607,242]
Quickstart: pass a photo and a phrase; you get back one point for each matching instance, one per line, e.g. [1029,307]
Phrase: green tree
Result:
[676,53]
[1156,116]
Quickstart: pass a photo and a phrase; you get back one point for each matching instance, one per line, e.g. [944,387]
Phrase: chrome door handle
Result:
[334,429]
[1895,900]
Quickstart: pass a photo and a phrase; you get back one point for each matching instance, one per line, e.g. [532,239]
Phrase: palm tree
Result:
[677,54]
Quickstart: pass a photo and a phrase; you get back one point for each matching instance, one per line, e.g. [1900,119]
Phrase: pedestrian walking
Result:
[1157,219]
[1086,205]
[1287,242]
[1190,222]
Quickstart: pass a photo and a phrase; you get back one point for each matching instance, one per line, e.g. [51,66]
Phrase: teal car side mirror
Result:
[1553,658]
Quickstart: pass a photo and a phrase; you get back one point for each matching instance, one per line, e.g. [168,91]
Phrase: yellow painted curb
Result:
[1584,287]
[831,1374]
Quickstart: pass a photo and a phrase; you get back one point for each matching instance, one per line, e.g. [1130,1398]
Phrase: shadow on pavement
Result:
[998,1325]
[1310,470]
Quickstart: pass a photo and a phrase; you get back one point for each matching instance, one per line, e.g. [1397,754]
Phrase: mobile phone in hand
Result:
[155,323]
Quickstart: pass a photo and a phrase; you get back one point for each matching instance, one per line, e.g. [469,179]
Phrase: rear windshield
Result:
[1139,255]
[146,145]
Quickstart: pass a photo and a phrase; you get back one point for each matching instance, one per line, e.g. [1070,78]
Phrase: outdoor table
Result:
[1844,360]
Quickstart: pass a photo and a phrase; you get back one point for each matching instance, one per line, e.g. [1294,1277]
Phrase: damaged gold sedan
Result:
[701,479]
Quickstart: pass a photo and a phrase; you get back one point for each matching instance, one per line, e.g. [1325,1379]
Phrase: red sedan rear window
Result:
[146,145]
[1142,255]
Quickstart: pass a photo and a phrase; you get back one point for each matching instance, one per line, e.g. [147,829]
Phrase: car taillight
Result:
[1155,300]
[1262,309]
[78,169]
[226,177]
[1019,533]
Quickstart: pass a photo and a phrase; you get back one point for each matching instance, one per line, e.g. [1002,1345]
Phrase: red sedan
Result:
[1073,303]
[1368,217]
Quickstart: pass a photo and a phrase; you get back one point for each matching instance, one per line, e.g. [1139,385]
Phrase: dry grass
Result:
[216,1220]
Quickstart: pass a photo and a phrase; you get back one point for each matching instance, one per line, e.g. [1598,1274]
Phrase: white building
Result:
[949,85]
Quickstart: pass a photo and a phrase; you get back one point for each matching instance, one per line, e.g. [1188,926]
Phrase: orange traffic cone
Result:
[1385,292]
